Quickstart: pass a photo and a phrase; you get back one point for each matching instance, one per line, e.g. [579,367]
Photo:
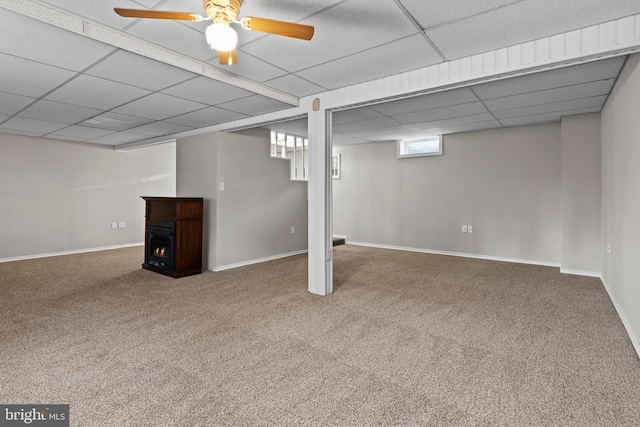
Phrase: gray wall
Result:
[196,176]
[581,228]
[621,196]
[504,182]
[59,196]
[258,206]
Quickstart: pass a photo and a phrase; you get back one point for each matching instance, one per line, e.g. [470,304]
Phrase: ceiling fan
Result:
[220,36]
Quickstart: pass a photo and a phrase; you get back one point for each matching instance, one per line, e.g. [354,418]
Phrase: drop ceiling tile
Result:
[365,125]
[159,129]
[58,112]
[11,103]
[32,125]
[158,106]
[566,93]
[354,115]
[285,10]
[29,78]
[174,36]
[425,102]
[524,21]
[136,70]
[474,118]
[206,117]
[583,73]
[296,127]
[250,67]
[459,110]
[295,85]
[545,118]
[100,10]
[374,63]
[594,102]
[373,22]
[207,91]
[25,37]
[341,141]
[380,133]
[80,132]
[94,92]
[255,105]
[437,12]
[118,138]
[468,127]
[115,121]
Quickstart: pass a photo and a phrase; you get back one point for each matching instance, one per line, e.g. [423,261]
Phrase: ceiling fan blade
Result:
[158,14]
[281,28]
[227,57]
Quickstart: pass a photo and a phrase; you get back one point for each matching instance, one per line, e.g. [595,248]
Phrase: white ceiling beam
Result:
[607,40]
[68,21]
[251,122]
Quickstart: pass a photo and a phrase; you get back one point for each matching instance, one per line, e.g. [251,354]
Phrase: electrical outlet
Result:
[293,230]
[470,229]
[221,186]
[114,225]
[122,224]
[464,228]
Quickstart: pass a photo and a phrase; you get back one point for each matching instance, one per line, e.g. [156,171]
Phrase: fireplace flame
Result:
[159,251]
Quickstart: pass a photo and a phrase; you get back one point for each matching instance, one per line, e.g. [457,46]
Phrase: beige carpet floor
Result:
[406,339]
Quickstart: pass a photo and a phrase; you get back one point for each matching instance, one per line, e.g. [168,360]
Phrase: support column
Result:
[320,200]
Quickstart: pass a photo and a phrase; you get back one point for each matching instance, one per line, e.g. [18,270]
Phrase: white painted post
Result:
[320,200]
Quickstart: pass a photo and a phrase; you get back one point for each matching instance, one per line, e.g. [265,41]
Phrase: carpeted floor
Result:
[405,339]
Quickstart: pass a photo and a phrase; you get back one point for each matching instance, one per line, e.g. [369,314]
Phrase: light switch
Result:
[114,225]
[464,228]
[221,186]
[122,224]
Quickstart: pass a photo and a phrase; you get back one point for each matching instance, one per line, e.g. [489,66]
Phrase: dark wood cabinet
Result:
[173,235]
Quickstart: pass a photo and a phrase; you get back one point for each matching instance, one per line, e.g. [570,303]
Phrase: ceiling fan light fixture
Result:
[220,36]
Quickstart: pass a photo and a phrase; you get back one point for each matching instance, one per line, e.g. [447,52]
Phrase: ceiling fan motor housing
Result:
[222,10]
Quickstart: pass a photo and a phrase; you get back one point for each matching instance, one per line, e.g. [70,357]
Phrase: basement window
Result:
[293,148]
[431,146]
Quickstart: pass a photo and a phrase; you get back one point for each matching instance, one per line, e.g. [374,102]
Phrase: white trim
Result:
[580,273]
[73,252]
[458,254]
[258,261]
[240,124]
[635,339]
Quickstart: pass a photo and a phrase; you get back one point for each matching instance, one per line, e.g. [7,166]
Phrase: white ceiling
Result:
[59,84]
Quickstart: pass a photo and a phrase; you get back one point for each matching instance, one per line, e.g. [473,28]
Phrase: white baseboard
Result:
[257,261]
[73,252]
[635,339]
[458,254]
[580,272]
